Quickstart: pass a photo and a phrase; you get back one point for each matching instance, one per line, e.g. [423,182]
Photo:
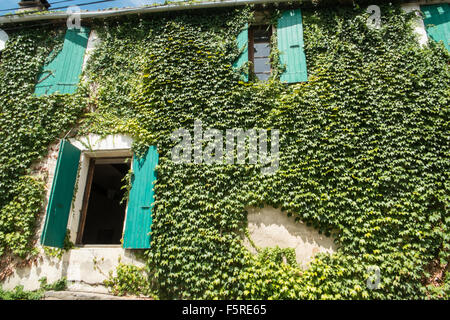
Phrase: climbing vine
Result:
[18,293]
[28,124]
[363,150]
[129,279]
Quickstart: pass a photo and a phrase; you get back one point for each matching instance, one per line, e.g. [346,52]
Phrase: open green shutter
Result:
[290,45]
[437,22]
[139,213]
[60,200]
[47,78]
[62,74]
[242,44]
[71,60]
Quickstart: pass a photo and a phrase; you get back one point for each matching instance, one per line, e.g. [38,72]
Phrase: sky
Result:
[7,5]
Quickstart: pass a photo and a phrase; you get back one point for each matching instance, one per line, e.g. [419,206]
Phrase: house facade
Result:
[362,159]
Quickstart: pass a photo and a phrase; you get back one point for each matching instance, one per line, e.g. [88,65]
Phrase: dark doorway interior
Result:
[104,214]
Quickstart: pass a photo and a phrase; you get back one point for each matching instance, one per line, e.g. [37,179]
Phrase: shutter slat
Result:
[437,22]
[290,45]
[242,44]
[60,200]
[139,213]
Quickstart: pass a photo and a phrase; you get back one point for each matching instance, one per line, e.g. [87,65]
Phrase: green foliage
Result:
[28,124]
[442,291]
[363,152]
[18,216]
[272,274]
[59,252]
[278,255]
[129,280]
[19,294]
[58,285]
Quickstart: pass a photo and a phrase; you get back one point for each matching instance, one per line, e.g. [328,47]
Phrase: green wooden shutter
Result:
[60,200]
[47,78]
[139,213]
[290,45]
[242,43]
[437,22]
[71,60]
[63,72]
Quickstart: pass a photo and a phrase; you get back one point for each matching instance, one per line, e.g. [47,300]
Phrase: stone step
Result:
[80,295]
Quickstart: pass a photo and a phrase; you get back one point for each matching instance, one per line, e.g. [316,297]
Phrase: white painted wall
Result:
[95,145]
[270,227]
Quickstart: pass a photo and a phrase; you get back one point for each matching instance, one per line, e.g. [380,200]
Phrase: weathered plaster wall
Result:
[270,227]
[85,268]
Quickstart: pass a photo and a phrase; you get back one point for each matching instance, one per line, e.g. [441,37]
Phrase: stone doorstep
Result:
[80,295]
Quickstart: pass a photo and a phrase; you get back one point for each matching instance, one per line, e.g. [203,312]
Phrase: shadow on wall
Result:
[270,227]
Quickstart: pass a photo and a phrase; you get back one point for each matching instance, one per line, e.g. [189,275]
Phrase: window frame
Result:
[251,48]
[94,146]
[87,193]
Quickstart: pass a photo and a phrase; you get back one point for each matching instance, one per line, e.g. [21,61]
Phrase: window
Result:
[254,44]
[103,220]
[437,22]
[259,50]
[103,212]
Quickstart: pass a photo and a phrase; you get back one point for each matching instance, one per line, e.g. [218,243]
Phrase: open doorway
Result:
[103,211]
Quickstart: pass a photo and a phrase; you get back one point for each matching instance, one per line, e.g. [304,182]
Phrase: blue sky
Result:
[12,4]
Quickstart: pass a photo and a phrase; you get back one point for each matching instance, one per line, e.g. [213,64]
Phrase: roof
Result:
[157,7]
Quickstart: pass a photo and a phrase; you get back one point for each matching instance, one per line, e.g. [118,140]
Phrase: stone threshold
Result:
[81,295]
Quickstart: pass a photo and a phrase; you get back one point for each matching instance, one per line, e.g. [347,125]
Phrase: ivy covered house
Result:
[357,92]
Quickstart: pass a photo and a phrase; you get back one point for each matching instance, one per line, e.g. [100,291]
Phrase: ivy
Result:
[18,293]
[129,279]
[18,217]
[363,151]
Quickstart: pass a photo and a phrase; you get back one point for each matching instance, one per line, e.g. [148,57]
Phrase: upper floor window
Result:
[437,22]
[254,43]
[259,50]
